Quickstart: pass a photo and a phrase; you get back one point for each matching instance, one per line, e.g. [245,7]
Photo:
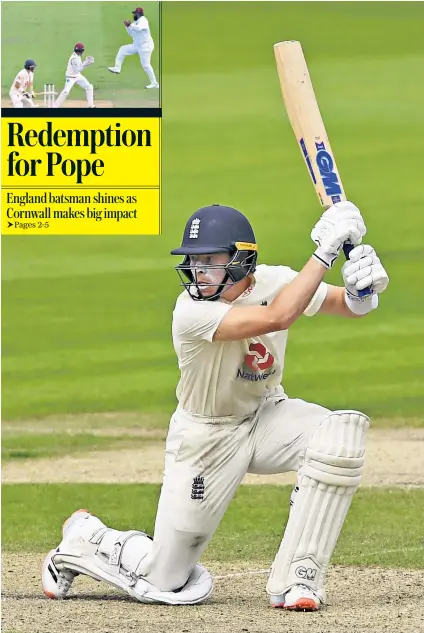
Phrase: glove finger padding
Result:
[350,269]
[377,278]
[361,251]
[363,270]
[362,273]
[350,230]
[340,223]
[341,210]
[344,231]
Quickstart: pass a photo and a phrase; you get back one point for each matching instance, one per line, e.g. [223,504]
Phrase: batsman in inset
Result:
[230,327]
[22,90]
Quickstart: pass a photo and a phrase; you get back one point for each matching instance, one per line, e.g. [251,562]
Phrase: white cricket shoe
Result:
[297,598]
[114,69]
[153,85]
[56,583]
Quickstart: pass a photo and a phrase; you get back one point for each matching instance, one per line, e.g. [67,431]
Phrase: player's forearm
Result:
[338,303]
[335,303]
[293,299]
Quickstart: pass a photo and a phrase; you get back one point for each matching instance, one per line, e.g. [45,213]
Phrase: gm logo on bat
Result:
[325,164]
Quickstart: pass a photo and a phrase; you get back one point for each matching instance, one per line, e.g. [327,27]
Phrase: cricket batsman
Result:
[142,46]
[230,326]
[22,90]
[74,76]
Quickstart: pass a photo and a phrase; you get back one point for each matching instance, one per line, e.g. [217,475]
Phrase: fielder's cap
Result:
[30,62]
[138,10]
[79,45]
[216,229]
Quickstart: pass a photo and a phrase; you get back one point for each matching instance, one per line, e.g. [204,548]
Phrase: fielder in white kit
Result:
[142,45]
[22,90]
[74,76]
[230,331]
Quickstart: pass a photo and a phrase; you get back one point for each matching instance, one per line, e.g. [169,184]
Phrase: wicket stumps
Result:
[49,95]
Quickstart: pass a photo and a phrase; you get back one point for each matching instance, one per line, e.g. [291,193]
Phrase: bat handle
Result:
[365,292]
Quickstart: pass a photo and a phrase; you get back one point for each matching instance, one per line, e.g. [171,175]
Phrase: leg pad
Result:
[328,478]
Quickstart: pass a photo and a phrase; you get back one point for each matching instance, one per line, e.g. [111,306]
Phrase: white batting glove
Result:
[364,269]
[341,223]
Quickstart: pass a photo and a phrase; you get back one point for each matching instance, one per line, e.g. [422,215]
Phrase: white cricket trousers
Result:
[80,80]
[20,101]
[204,465]
[145,57]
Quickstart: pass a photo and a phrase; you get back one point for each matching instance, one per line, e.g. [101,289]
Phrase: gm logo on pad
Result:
[330,180]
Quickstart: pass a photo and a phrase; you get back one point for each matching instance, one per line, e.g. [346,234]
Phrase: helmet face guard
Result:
[241,264]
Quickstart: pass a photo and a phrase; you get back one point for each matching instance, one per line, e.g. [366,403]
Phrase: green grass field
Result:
[86,321]
[48,31]
[256,514]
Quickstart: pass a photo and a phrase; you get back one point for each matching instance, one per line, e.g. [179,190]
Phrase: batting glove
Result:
[364,269]
[341,223]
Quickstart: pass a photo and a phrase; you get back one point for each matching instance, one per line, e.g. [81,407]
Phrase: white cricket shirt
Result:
[75,65]
[25,78]
[229,379]
[140,32]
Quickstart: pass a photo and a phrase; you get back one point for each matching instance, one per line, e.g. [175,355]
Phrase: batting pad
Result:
[328,479]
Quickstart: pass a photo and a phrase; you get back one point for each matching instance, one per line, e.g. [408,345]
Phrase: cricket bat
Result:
[308,127]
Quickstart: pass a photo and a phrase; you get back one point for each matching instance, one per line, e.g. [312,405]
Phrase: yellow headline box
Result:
[81,152]
[81,176]
[86,211]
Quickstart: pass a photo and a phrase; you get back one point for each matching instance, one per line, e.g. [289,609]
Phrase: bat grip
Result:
[365,292]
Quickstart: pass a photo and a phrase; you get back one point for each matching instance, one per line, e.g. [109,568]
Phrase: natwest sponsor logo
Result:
[259,359]
[257,364]
[254,377]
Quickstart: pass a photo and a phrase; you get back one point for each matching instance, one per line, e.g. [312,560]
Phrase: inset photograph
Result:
[80,54]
